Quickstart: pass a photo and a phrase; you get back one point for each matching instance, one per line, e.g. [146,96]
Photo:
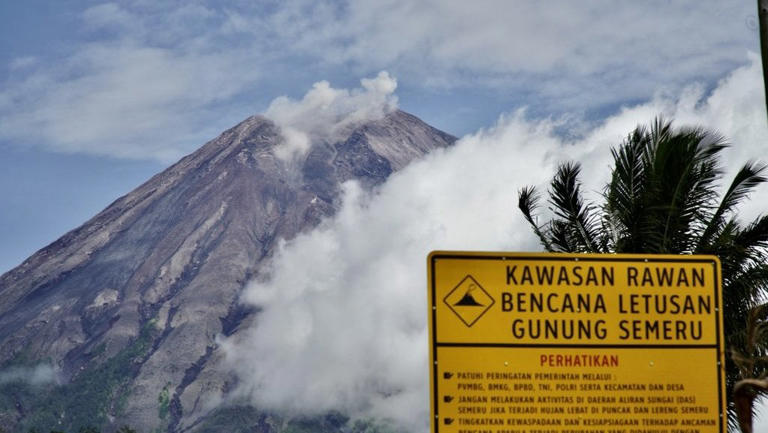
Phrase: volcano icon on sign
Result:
[468,300]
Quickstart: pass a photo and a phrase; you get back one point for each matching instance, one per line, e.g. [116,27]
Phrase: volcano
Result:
[128,307]
[468,300]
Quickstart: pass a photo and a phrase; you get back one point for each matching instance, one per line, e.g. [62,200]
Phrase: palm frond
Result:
[744,290]
[685,171]
[624,195]
[748,177]
[754,237]
[562,237]
[528,202]
[569,205]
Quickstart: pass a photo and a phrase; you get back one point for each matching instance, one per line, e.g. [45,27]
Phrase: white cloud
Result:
[325,113]
[142,71]
[571,54]
[109,15]
[133,101]
[38,375]
[22,62]
[343,324]
[146,86]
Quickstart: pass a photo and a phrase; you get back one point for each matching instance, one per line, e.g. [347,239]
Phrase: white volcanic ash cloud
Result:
[326,113]
[40,374]
[343,324]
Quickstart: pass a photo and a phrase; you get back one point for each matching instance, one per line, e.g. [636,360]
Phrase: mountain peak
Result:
[157,274]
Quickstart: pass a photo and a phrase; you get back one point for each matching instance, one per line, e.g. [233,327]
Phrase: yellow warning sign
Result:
[526,343]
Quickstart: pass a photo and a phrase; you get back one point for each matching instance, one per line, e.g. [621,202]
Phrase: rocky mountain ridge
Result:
[128,307]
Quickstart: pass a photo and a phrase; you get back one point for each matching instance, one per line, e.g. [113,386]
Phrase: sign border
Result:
[575,257]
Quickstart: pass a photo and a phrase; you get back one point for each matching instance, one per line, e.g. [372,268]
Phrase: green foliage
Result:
[373,426]
[246,419]
[163,408]
[164,402]
[86,429]
[87,399]
[233,419]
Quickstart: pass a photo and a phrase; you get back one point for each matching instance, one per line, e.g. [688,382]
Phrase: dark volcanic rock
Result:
[166,263]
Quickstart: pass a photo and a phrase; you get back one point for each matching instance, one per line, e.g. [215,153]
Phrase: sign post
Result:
[545,343]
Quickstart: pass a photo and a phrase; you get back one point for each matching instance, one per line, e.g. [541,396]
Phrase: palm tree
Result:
[662,199]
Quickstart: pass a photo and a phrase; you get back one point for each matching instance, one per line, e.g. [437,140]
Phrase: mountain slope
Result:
[129,305]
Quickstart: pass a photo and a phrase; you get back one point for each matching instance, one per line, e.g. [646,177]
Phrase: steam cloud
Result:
[343,324]
[325,113]
[38,375]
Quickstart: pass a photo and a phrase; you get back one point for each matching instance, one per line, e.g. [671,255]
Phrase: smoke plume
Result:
[325,113]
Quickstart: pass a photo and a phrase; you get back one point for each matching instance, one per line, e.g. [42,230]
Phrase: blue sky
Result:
[96,97]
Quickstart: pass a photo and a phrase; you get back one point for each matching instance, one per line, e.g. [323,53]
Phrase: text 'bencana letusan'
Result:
[645,310]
